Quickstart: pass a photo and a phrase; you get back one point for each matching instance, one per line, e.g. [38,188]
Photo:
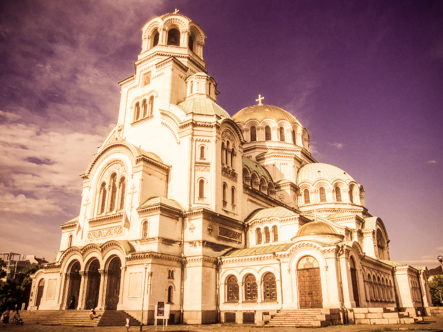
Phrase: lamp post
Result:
[143,296]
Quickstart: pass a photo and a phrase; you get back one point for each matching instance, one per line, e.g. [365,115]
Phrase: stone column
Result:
[240,293]
[61,290]
[81,295]
[122,284]
[101,290]
[259,293]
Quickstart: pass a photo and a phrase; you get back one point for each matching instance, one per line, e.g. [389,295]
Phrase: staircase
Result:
[77,318]
[305,318]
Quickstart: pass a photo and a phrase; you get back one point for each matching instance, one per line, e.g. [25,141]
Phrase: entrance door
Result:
[354,283]
[93,288]
[113,284]
[40,288]
[309,283]
[74,286]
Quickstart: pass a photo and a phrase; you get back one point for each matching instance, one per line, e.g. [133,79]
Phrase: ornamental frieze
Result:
[229,234]
[229,172]
[106,232]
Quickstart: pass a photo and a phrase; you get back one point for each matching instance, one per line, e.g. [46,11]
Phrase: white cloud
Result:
[432,161]
[337,145]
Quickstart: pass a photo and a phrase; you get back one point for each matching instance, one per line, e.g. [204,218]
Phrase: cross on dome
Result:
[176,11]
[260,98]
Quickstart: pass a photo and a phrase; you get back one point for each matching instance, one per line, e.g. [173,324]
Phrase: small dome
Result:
[262,112]
[316,228]
[316,171]
[201,105]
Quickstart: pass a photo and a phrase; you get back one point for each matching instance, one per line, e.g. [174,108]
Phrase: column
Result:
[259,292]
[81,295]
[122,284]
[101,290]
[240,292]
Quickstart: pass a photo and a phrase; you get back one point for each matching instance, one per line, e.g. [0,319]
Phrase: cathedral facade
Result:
[224,218]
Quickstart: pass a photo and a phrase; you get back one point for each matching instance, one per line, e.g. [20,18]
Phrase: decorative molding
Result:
[229,234]
[229,172]
[106,232]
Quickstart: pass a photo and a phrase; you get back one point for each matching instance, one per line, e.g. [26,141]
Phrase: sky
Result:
[364,77]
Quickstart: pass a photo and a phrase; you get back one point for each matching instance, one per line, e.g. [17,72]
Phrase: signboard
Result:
[162,310]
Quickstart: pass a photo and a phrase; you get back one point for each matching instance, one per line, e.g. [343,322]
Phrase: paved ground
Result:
[431,324]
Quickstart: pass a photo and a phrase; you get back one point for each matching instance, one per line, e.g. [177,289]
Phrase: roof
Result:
[370,223]
[317,171]
[205,106]
[254,166]
[258,250]
[316,228]
[262,112]
[274,212]
[436,271]
[155,201]
[70,222]
[148,154]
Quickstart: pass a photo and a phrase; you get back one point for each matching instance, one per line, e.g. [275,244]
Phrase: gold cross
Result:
[176,11]
[260,98]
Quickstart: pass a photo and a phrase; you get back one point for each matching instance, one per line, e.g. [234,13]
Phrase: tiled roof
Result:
[154,201]
[258,250]
[274,212]
[254,166]
[204,106]
[70,222]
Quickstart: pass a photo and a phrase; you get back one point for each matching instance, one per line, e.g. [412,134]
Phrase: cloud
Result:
[432,161]
[337,145]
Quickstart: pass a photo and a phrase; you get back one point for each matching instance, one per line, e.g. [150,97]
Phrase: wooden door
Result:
[40,288]
[309,283]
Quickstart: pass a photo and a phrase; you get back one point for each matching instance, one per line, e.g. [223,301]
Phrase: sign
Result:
[162,310]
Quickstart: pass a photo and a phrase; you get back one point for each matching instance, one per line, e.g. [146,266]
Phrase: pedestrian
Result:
[5,317]
[92,314]
[72,303]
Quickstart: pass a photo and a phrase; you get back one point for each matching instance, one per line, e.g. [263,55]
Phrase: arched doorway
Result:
[309,283]
[113,284]
[74,279]
[93,286]
[354,283]
[40,288]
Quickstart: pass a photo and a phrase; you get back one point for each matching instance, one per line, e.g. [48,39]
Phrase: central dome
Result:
[262,112]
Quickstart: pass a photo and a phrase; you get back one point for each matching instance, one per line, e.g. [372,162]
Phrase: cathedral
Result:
[224,218]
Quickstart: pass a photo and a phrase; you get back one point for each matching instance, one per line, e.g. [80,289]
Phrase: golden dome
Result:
[262,112]
[316,228]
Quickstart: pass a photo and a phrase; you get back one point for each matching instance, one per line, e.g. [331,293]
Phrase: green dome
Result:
[262,112]
[205,106]
[316,171]
[316,228]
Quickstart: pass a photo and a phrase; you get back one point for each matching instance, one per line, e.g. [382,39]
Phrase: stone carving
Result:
[117,167]
[227,135]
[229,172]
[202,168]
[230,234]
[106,232]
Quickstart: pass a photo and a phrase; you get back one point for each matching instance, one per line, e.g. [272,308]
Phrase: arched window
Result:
[225,194]
[253,134]
[170,294]
[151,105]
[351,193]
[113,192]
[263,185]
[306,196]
[275,233]
[233,196]
[255,183]
[155,39]
[202,152]
[293,137]
[122,191]
[137,111]
[338,194]
[145,230]
[174,37]
[282,134]
[267,133]
[191,43]
[191,87]
[258,236]
[269,287]
[201,188]
[322,194]
[223,153]
[250,288]
[232,289]
[102,197]
[267,235]
[227,152]
[70,241]
[144,108]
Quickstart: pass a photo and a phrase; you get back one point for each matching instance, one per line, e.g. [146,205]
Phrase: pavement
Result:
[434,324]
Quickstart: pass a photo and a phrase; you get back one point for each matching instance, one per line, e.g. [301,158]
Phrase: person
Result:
[72,303]
[92,314]
[5,317]
[16,319]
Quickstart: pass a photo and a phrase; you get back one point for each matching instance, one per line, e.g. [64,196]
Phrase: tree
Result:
[436,289]
[2,271]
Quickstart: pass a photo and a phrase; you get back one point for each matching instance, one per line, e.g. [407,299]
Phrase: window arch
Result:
[267,133]
[191,43]
[223,153]
[155,37]
[122,190]
[144,108]
[263,185]
[258,236]
[201,188]
[250,288]
[70,241]
[293,137]
[306,196]
[233,196]
[225,194]
[202,152]
[137,111]
[173,37]
[227,153]
[102,198]
[267,235]
[282,134]
[253,134]
[145,229]
[275,233]
[351,193]
[113,192]
[232,289]
[322,194]
[338,194]
[269,287]
[170,294]
[151,105]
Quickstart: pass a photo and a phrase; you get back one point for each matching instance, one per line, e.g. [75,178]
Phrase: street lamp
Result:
[143,296]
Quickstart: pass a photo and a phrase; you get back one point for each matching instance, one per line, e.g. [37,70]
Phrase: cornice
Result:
[141,158]
[101,220]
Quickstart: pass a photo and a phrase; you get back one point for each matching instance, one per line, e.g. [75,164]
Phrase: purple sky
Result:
[364,77]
